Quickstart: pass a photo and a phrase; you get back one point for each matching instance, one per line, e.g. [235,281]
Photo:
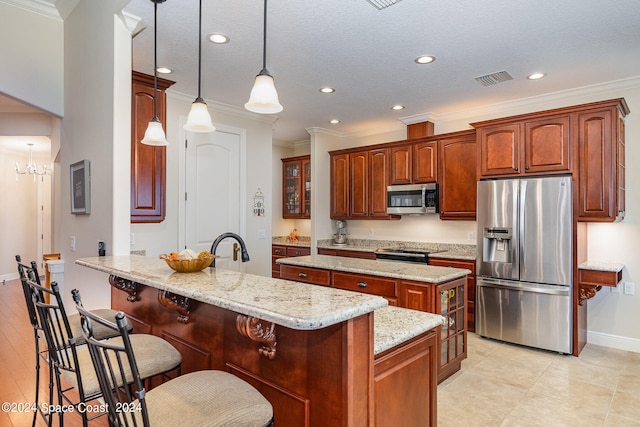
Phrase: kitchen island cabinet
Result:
[309,350]
[440,290]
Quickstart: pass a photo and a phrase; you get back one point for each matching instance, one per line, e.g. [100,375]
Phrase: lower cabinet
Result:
[283,251]
[347,253]
[447,299]
[411,359]
[471,284]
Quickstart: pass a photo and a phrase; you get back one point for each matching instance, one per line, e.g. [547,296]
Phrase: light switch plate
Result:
[629,288]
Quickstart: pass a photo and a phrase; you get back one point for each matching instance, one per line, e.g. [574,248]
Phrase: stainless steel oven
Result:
[413,199]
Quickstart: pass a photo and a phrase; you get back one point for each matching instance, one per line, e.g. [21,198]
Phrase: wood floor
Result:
[17,363]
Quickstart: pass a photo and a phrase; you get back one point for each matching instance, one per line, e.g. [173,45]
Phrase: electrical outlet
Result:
[471,236]
[371,232]
[132,239]
[72,243]
[629,288]
[262,234]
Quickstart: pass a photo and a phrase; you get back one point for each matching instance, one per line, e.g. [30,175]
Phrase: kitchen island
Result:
[417,286]
[313,352]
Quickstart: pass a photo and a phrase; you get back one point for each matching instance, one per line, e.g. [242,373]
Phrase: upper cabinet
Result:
[584,140]
[413,163]
[296,187]
[601,160]
[359,180]
[147,162]
[524,146]
[458,167]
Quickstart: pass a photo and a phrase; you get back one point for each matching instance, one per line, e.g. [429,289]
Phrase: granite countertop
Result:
[291,304]
[303,241]
[601,266]
[398,270]
[395,325]
[440,250]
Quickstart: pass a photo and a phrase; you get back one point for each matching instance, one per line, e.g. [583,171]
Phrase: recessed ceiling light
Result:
[164,70]
[334,121]
[536,76]
[327,89]
[398,107]
[218,38]
[425,59]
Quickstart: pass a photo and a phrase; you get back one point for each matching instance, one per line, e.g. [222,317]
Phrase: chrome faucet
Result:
[220,238]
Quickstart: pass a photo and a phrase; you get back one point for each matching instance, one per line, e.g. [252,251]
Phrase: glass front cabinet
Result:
[296,187]
[450,303]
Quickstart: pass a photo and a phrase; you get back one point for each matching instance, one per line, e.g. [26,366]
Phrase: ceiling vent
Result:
[494,78]
[381,4]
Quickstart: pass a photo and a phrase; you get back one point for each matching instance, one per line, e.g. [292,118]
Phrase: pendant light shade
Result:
[199,119]
[264,98]
[154,135]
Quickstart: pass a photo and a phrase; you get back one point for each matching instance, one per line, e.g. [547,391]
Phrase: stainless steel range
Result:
[405,255]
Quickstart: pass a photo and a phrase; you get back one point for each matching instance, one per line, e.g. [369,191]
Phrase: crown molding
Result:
[38,6]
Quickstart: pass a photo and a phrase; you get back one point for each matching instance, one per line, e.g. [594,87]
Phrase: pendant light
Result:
[154,134]
[199,119]
[264,98]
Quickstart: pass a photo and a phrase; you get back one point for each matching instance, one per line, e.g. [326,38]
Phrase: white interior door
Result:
[213,193]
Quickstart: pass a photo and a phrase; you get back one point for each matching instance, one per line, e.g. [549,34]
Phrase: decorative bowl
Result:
[189,265]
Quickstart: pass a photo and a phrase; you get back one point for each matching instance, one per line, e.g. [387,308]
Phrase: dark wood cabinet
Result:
[527,146]
[148,163]
[347,253]
[425,162]
[458,184]
[416,296]
[359,182]
[413,163]
[283,251]
[416,358]
[602,162]
[471,284]
[401,164]
[296,187]
[339,181]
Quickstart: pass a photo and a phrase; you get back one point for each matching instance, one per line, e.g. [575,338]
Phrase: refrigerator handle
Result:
[521,225]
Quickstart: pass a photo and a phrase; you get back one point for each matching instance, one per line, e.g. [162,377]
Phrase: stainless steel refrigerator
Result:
[524,262]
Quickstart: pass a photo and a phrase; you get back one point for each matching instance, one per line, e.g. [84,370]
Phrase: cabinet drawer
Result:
[278,250]
[274,265]
[443,262]
[293,251]
[306,275]
[366,284]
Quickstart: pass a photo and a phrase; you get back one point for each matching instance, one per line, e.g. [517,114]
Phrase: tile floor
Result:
[498,385]
[508,385]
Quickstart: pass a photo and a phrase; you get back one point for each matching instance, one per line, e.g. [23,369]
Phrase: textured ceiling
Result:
[368,55]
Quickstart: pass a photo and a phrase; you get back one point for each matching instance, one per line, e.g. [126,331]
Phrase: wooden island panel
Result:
[320,377]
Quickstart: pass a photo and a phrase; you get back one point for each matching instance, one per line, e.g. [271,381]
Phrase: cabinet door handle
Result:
[298,253]
[362,284]
[277,251]
[515,169]
[526,168]
[302,274]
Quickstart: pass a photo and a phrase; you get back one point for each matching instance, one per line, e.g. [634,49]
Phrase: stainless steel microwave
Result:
[413,199]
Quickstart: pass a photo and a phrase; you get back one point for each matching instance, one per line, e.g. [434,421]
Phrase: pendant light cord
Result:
[264,40]
[199,49]
[155,59]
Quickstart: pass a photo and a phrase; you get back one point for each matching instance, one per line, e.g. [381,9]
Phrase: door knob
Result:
[236,249]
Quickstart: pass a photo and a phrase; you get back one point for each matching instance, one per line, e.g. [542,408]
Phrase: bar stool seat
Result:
[210,398]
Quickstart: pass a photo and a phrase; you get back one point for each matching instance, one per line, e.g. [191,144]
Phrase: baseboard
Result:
[614,341]
[7,277]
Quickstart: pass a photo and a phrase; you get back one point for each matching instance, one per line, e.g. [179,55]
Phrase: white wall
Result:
[97,50]
[32,57]
[164,237]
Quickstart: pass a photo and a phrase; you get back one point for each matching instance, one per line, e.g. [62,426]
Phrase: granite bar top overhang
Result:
[398,270]
[395,325]
[291,304]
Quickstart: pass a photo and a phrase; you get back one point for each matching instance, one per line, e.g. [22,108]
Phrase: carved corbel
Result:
[259,331]
[125,285]
[176,302]
[587,292]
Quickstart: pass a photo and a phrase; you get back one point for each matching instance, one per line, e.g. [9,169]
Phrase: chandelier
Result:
[31,168]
